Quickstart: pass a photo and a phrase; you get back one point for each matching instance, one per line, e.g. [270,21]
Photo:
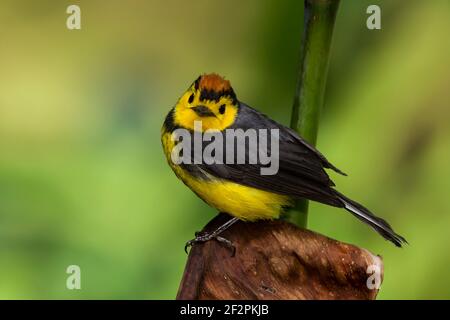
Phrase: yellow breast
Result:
[243,202]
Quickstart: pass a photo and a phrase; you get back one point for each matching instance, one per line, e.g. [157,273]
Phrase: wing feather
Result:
[301,171]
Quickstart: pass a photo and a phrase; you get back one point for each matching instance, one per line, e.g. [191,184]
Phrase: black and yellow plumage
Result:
[239,189]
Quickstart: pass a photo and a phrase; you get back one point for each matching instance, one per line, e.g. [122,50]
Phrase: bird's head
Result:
[211,100]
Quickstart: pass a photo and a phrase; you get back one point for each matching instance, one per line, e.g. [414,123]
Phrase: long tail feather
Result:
[379,224]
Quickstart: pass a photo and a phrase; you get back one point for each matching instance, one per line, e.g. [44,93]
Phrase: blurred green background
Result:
[83,179]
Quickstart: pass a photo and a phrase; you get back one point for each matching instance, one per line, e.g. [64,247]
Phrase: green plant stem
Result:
[314,55]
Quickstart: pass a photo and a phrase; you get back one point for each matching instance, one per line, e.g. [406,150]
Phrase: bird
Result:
[239,189]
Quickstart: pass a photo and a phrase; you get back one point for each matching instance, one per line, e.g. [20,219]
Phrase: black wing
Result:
[301,171]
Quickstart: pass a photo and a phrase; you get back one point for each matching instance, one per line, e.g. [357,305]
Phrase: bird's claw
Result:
[190,243]
[187,245]
[227,243]
[204,237]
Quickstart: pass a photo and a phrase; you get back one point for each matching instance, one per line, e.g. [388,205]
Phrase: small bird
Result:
[239,189]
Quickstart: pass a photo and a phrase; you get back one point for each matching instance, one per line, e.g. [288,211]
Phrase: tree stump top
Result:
[276,260]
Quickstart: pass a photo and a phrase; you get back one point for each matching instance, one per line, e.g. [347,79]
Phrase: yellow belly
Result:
[243,202]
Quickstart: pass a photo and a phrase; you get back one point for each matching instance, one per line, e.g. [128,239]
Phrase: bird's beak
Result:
[203,111]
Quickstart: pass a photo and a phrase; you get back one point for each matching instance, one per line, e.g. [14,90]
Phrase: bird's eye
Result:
[191,98]
[222,109]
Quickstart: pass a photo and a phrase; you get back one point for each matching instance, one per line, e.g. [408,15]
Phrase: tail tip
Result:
[399,241]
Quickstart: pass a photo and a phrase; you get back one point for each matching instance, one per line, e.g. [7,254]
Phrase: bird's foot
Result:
[204,237]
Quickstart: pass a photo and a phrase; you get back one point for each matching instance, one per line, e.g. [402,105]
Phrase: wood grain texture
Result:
[276,260]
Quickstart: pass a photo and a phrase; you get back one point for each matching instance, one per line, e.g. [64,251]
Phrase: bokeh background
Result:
[83,179]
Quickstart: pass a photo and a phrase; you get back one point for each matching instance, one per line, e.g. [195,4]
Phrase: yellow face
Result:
[214,114]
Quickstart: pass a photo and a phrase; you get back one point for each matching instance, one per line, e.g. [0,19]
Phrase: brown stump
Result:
[276,260]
